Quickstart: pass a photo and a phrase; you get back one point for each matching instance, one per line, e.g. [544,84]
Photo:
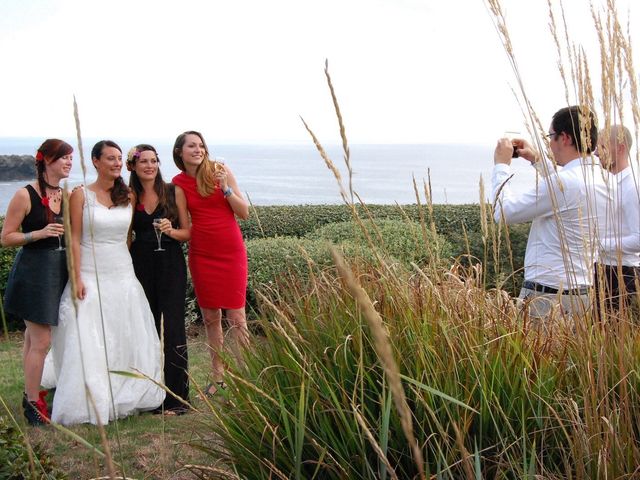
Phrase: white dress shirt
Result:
[623,242]
[567,209]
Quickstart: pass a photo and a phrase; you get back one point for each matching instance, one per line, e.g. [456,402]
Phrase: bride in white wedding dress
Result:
[108,326]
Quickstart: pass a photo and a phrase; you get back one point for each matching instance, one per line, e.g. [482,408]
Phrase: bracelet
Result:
[228,192]
[28,237]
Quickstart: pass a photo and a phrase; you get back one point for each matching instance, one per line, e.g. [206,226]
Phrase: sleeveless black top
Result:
[143,222]
[37,220]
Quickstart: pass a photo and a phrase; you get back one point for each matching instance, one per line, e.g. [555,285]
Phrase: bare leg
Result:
[213,326]
[239,333]
[26,346]
[37,341]
[238,326]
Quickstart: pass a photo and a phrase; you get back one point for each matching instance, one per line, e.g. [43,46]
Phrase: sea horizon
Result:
[295,174]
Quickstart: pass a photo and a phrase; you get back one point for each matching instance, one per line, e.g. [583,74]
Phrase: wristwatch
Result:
[228,192]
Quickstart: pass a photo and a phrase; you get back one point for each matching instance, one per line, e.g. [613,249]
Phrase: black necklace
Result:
[51,186]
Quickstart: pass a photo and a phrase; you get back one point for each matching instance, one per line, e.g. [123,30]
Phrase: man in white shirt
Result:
[619,267]
[567,209]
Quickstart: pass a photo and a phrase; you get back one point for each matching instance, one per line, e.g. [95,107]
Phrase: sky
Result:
[245,71]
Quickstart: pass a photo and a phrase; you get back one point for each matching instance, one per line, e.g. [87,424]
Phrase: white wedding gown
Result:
[112,330]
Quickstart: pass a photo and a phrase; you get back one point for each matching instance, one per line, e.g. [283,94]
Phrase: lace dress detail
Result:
[111,330]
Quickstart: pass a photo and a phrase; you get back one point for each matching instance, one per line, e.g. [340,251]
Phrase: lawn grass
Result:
[147,446]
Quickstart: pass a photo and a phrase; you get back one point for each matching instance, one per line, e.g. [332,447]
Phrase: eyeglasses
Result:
[552,134]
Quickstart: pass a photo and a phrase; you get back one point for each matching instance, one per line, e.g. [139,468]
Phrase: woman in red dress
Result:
[217,255]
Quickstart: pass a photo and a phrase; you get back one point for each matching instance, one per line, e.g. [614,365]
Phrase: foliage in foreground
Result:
[15,461]
[490,395]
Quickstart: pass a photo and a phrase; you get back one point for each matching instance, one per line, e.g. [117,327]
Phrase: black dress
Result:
[163,275]
[39,272]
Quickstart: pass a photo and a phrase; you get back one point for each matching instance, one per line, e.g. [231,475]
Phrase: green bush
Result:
[14,457]
[271,258]
[459,225]
[401,239]
[299,220]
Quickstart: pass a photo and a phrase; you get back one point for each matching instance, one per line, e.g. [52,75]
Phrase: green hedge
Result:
[459,225]
[275,222]
[299,220]
[401,239]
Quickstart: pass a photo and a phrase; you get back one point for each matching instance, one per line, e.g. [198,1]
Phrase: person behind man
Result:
[567,210]
[619,267]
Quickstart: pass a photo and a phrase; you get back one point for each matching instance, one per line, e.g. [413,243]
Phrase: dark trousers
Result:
[163,276]
[616,288]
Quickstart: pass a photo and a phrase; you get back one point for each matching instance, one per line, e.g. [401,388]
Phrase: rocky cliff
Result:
[17,167]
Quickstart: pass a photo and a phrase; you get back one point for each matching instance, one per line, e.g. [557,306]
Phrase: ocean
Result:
[296,174]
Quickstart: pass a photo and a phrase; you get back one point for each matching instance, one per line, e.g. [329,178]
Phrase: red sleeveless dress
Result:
[217,255]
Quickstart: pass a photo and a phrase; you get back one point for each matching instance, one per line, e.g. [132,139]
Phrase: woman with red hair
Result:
[39,273]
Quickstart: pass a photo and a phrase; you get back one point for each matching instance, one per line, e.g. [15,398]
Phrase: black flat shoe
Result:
[35,417]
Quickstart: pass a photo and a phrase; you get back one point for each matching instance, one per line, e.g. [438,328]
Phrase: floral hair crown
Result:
[132,156]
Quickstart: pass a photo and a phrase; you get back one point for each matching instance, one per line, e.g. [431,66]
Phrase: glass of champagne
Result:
[218,166]
[156,226]
[59,219]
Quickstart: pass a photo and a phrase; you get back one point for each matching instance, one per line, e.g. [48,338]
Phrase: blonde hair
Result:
[621,135]
[205,172]
[204,177]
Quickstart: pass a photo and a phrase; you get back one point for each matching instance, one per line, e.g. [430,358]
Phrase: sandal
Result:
[219,385]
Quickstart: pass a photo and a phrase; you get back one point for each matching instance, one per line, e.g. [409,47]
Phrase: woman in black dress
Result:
[160,265]
[39,274]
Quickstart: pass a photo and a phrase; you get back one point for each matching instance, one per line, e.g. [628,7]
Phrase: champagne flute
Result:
[156,226]
[218,165]
[59,219]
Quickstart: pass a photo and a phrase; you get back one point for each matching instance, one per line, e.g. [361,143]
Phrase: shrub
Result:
[459,225]
[272,258]
[299,220]
[401,239]
[15,463]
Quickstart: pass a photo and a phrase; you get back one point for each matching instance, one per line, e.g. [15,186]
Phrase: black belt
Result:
[544,289]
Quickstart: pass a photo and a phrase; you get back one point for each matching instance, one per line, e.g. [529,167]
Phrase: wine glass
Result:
[156,226]
[218,165]
[59,219]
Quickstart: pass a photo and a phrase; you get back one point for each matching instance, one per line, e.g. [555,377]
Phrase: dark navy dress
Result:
[39,272]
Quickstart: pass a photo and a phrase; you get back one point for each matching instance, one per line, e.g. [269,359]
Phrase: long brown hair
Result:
[119,193]
[165,192]
[204,173]
[52,149]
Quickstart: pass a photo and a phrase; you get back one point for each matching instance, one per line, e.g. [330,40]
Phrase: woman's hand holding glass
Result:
[59,219]
[220,173]
[161,225]
[52,230]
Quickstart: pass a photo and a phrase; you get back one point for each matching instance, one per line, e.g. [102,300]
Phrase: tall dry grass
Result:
[374,370]
[371,370]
